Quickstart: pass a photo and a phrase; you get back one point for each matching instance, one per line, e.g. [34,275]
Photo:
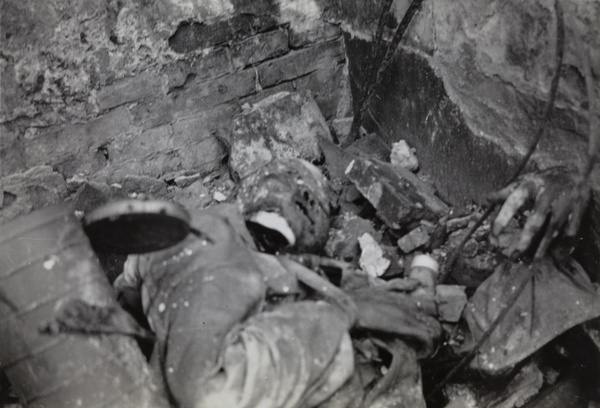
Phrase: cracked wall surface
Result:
[102,91]
[469,81]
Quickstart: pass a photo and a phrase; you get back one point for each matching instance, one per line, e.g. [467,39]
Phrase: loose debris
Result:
[371,256]
[319,285]
[404,156]
[398,196]
[284,125]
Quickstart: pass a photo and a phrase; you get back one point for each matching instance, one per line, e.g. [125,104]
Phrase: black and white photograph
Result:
[299,204]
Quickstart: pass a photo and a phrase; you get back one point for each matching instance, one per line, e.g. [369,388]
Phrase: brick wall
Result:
[159,116]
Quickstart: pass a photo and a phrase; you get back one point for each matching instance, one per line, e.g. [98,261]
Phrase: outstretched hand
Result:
[557,200]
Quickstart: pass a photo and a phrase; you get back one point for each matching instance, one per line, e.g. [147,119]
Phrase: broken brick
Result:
[399,197]
[451,301]
[417,238]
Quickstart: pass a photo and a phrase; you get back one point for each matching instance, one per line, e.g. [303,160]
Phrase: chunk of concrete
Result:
[341,129]
[417,238]
[399,197]
[404,156]
[451,301]
[283,125]
[371,257]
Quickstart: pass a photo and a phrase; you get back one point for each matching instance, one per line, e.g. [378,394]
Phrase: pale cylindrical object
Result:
[46,261]
[425,269]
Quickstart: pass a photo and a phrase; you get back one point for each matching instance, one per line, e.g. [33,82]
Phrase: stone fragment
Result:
[341,129]
[194,197]
[398,196]
[370,146]
[73,183]
[90,196]
[404,156]
[336,159]
[143,187]
[36,188]
[451,301]
[343,237]
[219,196]
[283,125]
[417,238]
[371,256]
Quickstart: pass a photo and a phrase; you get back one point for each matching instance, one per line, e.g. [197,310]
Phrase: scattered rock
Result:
[195,196]
[90,196]
[370,146]
[219,196]
[451,301]
[336,159]
[73,183]
[399,197]
[343,237]
[371,256]
[283,125]
[341,129]
[415,239]
[404,156]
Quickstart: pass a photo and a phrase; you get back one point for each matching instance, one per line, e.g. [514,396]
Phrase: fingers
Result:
[560,213]
[501,195]
[534,224]
[511,206]
[580,205]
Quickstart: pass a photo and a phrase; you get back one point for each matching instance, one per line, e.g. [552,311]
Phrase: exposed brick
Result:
[194,35]
[451,301]
[326,86]
[152,113]
[78,152]
[129,90]
[12,150]
[399,197]
[211,63]
[323,32]
[150,153]
[415,239]
[195,143]
[301,62]
[199,96]
[284,87]
[259,48]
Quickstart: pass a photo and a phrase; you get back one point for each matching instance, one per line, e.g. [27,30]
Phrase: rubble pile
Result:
[314,279]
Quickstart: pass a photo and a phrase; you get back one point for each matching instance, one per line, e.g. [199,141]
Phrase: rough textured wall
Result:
[470,80]
[117,90]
